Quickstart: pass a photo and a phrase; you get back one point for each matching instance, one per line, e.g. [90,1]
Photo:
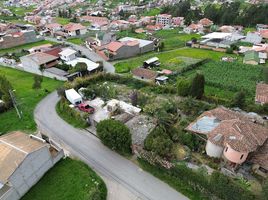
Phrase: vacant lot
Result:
[62,21]
[68,179]
[174,57]
[27,99]
[25,46]
[77,41]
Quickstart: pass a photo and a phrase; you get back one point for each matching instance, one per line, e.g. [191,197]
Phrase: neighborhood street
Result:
[124,179]
[108,67]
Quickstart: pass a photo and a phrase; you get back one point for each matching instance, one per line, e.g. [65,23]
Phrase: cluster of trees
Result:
[115,135]
[192,87]
[234,13]
[37,82]
[5,86]
[65,13]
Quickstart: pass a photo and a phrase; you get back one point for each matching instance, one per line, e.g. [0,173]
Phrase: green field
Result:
[223,79]
[27,99]
[77,41]
[20,11]
[25,46]
[167,57]
[152,12]
[62,21]
[68,179]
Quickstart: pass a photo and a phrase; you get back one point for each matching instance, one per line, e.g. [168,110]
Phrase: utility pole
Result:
[13,98]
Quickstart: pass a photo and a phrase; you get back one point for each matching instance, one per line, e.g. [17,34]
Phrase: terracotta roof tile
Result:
[262,93]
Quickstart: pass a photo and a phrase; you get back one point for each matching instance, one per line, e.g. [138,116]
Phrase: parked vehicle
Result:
[86,108]
[73,97]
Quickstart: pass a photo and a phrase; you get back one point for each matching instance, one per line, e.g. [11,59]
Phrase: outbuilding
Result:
[152,62]
[73,97]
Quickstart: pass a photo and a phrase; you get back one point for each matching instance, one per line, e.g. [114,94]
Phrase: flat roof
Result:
[72,93]
[151,60]
[217,35]
[67,52]
[142,42]
[90,64]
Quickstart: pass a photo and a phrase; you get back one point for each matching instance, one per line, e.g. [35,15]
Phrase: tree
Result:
[265,74]
[5,87]
[115,135]
[37,82]
[159,142]
[239,99]
[134,98]
[198,86]
[79,67]
[183,87]
[265,191]
[161,46]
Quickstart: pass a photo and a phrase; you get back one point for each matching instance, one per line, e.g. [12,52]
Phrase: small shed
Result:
[251,57]
[73,96]
[152,62]
[161,79]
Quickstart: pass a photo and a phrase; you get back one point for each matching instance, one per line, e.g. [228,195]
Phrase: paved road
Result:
[129,178]
[108,67]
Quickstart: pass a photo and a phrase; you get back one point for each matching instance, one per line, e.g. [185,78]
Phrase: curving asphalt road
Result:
[124,178]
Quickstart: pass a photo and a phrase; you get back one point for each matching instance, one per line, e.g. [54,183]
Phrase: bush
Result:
[198,86]
[159,142]
[5,86]
[115,135]
[183,87]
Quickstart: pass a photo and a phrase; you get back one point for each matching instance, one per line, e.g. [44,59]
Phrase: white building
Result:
[24,159]
[91,66]
[164,19]
[68,54]
[73,97]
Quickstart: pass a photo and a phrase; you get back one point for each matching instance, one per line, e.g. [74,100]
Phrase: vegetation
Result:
[198,184]
[69,179]
[71,115]
[5,87]
[27,99]
[37,82]
[222,77]
[233,13]
[77,41]
[24,46]
[198,85]
[115,135]
[62,21]
[173,60]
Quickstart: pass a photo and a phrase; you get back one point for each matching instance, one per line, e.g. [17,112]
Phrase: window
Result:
[226,149]
[241,156]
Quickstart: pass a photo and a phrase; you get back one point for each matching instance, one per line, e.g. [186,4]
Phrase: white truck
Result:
[73,97]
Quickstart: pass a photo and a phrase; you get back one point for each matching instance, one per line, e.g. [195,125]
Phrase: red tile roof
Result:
[144,73]
[74,27]
[261,93]
[114,46]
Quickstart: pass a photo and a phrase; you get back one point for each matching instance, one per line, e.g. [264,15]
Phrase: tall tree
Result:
[198,86]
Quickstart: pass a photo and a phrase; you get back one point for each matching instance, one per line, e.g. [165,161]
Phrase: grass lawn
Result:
[68,179]
[166,57]
[78,41]
[128,33]
[25,46]
[27,99]
[62,21]
[21,10]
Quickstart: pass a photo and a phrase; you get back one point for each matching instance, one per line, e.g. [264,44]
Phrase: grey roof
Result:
[205,124]
[142,43]
[57,71]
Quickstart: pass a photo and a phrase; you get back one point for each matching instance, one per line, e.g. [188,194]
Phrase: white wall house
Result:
[24,160]
[68,54]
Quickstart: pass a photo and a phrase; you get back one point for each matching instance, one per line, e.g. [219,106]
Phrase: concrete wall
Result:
[34,166]
[234,156]
[147,48]
[213,150]
[126,52]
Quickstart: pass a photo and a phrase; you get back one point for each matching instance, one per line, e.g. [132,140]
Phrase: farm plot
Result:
[230,77]
[175,57]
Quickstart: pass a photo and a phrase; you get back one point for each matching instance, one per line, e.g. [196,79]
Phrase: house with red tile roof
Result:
[144,74]
[96,22]
[261,93]
[75,29]
[230,135]
[53,27]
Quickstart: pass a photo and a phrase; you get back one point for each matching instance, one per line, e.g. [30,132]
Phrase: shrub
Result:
[198,86]
[115,135]
[183,87]
[239,99]
[5,86]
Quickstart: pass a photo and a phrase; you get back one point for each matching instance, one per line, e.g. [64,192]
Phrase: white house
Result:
[68,54]
[73,96]
[91,66]
[24,159]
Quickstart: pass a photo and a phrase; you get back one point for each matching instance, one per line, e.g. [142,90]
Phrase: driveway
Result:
[108,67]
[124,179]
